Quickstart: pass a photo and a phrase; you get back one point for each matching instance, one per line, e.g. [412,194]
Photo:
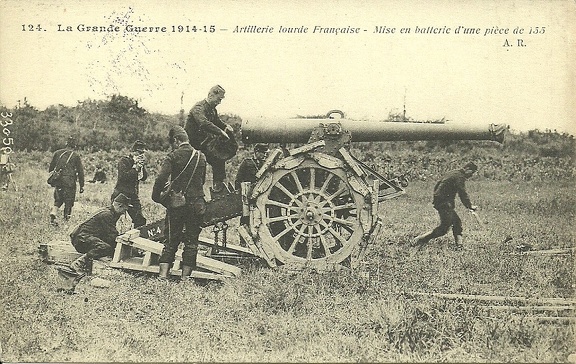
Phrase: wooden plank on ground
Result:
[137,266]
[229,247]
[212,265]
[217,266]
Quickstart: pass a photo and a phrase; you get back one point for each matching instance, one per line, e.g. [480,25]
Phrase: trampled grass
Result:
[275,315]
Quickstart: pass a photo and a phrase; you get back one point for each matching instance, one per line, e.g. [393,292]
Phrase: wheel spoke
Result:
[299,233]
[283,232]
[312,179]
[310,242]
[285,190]
[325,185]
[342,189]
[297,181]
[279,204]
[282,218]
[325,245]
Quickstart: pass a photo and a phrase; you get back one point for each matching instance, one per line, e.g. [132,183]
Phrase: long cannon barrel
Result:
[299,130]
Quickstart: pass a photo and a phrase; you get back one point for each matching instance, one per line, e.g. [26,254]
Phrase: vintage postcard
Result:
[287,181]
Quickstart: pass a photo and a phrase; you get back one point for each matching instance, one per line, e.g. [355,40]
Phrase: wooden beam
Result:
[564,251]
[155,247]
[135,264]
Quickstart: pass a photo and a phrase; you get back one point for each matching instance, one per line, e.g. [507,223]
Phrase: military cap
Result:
[217,90]
[138,145]
[261,147]
[124,200]
[177,132]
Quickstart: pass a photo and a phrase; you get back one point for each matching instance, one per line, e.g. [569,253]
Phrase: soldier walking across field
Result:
[185,167]
[96,237]
[444,202]
[209,134]
[69,161]
[132,170]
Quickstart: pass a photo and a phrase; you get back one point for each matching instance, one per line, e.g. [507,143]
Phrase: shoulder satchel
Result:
[55,177]
[172,199]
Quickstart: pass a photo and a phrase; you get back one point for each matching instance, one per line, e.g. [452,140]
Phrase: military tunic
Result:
[71,171]
[182,224]
[96,237]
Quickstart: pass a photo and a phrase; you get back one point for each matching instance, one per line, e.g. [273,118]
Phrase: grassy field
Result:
[276,315]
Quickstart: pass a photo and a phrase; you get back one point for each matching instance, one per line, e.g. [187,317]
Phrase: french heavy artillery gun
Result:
[315,205]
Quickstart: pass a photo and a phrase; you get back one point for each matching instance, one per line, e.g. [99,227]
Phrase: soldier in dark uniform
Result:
[444,202]
[6,168]
[96,237]
[204,124]
[186,167]
[72,170]
[132,170]
[248,169]
[99,175]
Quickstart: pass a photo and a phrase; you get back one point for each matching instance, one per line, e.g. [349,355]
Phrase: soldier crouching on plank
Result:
[96,237]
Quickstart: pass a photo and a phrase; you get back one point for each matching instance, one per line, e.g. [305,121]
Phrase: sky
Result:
[489,75]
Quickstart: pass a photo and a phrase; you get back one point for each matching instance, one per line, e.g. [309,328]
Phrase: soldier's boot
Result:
[186,271]
[81,264]
[164,270]
[218,188]
[457,245]
[53,213]
[67,213]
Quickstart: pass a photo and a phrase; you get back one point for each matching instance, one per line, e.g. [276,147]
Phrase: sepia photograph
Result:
[287,181]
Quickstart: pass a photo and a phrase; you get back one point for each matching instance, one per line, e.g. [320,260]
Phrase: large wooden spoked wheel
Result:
[309,215]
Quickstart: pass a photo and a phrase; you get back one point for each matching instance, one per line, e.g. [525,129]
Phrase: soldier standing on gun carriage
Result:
[444,195]
[72,169]
[212,136]
[186,168]
[132,170]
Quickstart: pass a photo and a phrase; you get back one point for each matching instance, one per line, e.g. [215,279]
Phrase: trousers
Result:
[183,225]
[92,246]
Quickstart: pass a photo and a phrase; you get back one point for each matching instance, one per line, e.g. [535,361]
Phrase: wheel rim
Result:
[310,215]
